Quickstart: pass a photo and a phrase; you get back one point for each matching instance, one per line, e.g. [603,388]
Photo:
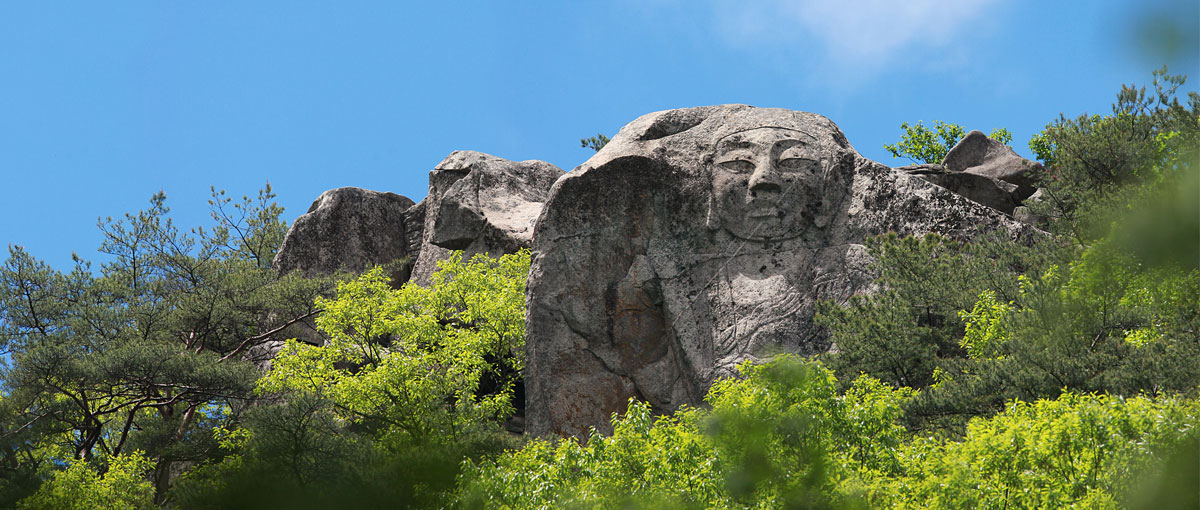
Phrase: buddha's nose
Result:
[765,178]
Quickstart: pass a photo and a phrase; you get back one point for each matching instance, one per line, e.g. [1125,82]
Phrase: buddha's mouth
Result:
[760,213]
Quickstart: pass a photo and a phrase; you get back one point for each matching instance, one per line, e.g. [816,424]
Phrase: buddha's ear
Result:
[711,220]
[839,174]
[822,213]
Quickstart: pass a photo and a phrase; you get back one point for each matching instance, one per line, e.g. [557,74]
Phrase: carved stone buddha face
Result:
[766,183]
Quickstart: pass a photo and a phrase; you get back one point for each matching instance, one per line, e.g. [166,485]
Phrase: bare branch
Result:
[251,340]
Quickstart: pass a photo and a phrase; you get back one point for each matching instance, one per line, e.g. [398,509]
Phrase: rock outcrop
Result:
[998,195]
[347,228]
[985,171]
[979,155]
[480,203]
[695,240]
[700,238]
[477,203]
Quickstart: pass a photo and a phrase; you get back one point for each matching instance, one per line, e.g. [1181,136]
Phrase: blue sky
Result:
[104,104]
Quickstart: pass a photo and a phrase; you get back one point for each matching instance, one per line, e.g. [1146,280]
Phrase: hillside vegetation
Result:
[988,374]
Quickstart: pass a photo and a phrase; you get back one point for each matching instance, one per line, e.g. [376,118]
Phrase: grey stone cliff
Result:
[479,203]
[700,238]
[695,240]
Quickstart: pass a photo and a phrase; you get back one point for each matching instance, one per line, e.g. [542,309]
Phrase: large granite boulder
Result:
[979,155]
[997,194]
[479,203]
[985,171]
[347,228]
[700,238]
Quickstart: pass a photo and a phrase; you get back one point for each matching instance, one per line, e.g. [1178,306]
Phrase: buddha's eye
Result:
[794,164]
[737,165]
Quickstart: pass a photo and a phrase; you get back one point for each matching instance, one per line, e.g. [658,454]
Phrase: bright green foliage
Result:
[417,363]
[783,437]
[795,435]
[644,457]
[412,381]
[1111,307]
[780,438]
[1077,451]
[1043,148]
[923,145]
[1001,135]
[82,486]
[1141,337]
[985,328]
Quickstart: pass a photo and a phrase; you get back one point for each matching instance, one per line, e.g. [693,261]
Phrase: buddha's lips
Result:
[763,212]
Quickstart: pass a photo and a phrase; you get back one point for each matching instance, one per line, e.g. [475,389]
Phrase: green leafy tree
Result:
[1106,306]
[1116,313]
[976,325]
[1092,159]
[905,332]
[295,453]
[923,145]
[782,437]
[411,382]
[1075,451]
[134,356]
[120,482]
[396,357]
[1105,322]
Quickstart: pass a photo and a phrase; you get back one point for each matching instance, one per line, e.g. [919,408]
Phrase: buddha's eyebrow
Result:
[736,144]
[810,137]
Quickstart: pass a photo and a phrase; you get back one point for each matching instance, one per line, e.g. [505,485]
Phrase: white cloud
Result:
[865,31]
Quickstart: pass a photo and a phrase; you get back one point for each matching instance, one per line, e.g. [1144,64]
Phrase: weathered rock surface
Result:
[977,154]
[477,203]
[998,195]
[480,203]
[347,228]
[702,237]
